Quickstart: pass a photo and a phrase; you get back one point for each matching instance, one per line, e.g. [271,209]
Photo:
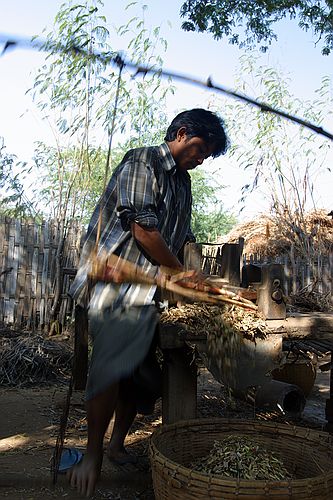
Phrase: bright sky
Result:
[193,54]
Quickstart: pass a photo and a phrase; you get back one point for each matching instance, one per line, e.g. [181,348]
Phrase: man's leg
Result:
[124,416]
[99,413]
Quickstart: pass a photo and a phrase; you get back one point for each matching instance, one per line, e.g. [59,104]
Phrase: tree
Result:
[209,219]
[85,189]
[225,18]
[87,102]
[77,95]
[13,201]
[282,161]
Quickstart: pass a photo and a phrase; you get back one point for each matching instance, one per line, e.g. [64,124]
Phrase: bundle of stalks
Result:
[28,360]
[241,457]
[110,268]
[213,311]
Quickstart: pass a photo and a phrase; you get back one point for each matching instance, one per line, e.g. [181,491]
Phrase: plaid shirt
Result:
[148,189]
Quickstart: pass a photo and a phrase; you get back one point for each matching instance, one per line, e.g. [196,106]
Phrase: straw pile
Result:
[211,320]
[302,238]
[272,236]
[27,360]
[224,327]
[241,457]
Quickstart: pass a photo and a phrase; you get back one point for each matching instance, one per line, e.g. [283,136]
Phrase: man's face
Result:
[189,153]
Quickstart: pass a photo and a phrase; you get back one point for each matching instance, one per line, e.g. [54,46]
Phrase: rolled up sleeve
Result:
[136,196]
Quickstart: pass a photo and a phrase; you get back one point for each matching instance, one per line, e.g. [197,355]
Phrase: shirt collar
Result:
[168,163]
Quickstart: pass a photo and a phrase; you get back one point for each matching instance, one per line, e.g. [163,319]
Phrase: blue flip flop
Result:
[69,457]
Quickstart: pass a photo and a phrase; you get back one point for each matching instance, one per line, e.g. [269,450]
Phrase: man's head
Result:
[195,135]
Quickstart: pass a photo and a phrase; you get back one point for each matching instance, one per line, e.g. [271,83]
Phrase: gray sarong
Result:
[121,341]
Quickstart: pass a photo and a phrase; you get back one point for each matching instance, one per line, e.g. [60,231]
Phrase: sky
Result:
[193,54]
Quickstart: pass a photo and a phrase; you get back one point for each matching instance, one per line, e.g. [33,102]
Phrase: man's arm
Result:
[151,240]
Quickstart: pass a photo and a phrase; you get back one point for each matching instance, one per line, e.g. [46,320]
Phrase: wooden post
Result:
[179,400]
[329,402]
[231,262]
[193,256]
[326,279]
[330,259]
[271,291]
[80,367]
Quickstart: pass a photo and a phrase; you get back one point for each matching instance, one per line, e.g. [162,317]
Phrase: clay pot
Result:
[300,372]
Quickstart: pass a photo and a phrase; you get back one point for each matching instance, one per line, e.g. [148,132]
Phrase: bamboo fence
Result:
[300,272]
[28,253]
[28,271]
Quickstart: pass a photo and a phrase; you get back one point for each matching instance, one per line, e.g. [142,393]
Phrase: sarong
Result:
[122,341]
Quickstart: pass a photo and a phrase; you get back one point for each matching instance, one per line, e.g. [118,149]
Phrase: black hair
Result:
[201,123]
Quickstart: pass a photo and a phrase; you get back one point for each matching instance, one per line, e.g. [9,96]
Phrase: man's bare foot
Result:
[85,475]
[120,456]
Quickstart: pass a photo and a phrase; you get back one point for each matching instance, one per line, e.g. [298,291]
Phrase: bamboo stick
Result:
[115,269]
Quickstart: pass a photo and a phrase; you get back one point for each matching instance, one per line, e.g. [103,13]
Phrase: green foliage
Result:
[82,187]
[281,161]
[76,93]
[209,219]
[80,92]
[144,98]
[208,227]
[225,18]
[13,201]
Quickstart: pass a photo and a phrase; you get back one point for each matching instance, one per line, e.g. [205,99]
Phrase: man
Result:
[143,217]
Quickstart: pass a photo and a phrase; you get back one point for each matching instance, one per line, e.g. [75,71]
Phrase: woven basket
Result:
[307,454]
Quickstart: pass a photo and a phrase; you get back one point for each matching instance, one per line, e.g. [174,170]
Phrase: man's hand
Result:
[114,274]
[189,279]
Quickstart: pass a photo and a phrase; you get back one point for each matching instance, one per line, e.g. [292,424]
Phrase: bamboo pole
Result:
[114,269]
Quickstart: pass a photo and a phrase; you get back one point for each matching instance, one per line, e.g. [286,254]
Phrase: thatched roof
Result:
[269,235]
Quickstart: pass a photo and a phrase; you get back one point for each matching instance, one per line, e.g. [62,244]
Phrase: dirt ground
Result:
[29,427]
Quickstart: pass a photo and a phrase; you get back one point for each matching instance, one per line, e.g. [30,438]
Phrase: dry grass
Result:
[271,236]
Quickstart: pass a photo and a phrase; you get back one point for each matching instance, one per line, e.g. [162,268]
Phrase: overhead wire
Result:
[115,58]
